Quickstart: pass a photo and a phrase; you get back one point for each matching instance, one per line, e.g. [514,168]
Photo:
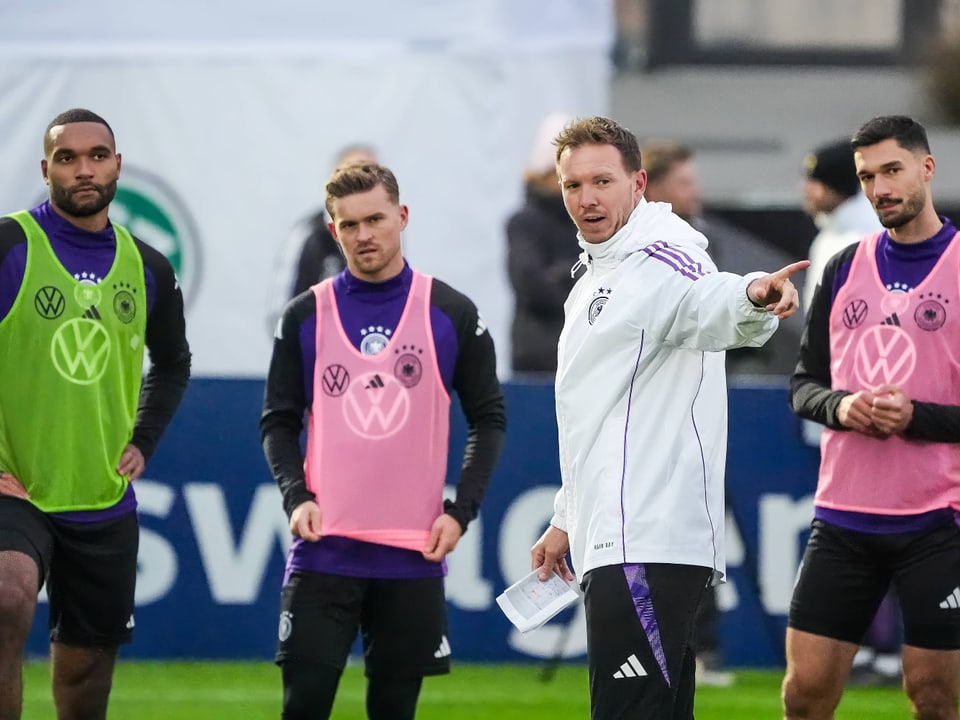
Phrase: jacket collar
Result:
[648,223]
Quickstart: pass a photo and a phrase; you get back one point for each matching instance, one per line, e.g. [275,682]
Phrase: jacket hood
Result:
[649,222]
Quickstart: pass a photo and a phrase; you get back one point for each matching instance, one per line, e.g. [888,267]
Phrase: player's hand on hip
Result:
[9,485]
[550,554]
[131,462]
[305,521]
[775,292]
[444,536]
[892,411]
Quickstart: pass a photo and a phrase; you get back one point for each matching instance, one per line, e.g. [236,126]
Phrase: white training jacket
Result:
[641,395]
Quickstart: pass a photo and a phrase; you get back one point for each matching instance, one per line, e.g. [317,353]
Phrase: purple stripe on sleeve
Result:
[677,259]
[679,255]
[640,592]
[690,267]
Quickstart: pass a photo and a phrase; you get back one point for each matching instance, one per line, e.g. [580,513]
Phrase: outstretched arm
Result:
[775,292]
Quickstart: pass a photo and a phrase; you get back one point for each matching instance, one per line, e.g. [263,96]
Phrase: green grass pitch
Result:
[226,691]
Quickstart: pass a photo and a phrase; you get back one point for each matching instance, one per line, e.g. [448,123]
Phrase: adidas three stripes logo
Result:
[952,601]
[630,669]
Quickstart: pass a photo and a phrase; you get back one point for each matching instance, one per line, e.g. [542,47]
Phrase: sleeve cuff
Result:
[745,303]
[451,509]
[558,522]
[294,501]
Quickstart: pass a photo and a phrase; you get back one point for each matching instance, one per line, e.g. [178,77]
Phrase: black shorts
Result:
[845,575]
[402,623]
[90,570]
[640,626]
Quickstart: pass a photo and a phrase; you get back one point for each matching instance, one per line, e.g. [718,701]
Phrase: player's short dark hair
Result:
[909,134]
[358,178]
[74,115]
[601,131]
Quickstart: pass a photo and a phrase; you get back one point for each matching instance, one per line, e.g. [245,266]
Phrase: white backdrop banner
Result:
[228,125]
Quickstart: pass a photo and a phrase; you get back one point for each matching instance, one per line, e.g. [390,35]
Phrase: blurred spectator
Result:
[310,254]
[833,198]
[672,178]
[632,29]
[320,256]
[541,245]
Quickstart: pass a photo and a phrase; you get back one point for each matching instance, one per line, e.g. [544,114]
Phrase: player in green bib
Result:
[76,376]
[81,301]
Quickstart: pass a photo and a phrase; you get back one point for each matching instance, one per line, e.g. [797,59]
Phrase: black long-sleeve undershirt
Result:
[169,353]
[474,380]
[811,393]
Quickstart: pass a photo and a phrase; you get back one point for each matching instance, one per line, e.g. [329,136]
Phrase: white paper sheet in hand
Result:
[530,602]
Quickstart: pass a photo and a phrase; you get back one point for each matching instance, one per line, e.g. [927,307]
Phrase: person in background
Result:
[834,201]
[878,367]
[310,253]
[81,299]
[320,255]
[371,357]
[641,407]
[673,177]
[539,258]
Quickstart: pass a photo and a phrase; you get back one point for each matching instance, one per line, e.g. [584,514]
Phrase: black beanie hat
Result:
[833,165]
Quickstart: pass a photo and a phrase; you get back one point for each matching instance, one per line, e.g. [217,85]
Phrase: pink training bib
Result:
[378,431]
[879,337]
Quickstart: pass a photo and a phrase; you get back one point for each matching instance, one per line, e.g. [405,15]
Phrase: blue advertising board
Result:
[214,536]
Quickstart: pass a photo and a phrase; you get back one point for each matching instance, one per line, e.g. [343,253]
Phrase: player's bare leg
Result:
[817,669]
[931,679]
[82,678]
[18,602]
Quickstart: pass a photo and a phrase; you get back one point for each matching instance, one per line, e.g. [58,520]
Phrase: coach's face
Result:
[368,226]
[598,191]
